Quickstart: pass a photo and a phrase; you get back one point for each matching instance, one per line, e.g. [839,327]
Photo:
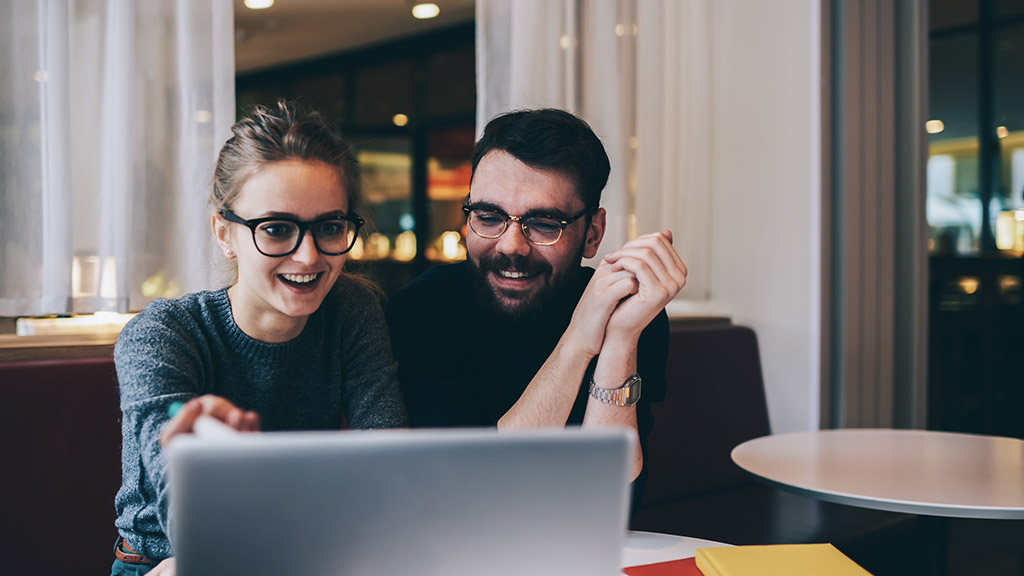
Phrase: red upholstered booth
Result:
[60,444]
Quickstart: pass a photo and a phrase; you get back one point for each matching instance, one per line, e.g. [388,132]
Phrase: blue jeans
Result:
[124,569]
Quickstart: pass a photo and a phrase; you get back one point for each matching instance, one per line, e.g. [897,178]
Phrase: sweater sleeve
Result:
[371,395]
[158,363]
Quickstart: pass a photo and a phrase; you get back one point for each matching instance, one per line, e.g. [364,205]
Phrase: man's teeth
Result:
[300,278]
[512,274]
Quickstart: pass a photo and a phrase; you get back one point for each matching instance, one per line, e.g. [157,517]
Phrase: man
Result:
[521,335]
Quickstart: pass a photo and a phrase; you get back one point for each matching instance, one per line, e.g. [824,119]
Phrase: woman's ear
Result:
[595,233]
[221,234]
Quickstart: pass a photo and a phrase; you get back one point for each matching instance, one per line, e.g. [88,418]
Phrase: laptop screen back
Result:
[447,502]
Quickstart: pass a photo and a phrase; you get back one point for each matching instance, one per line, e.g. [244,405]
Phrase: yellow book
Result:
[777,560]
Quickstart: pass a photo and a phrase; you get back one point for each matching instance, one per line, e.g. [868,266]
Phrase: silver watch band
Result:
[626,395]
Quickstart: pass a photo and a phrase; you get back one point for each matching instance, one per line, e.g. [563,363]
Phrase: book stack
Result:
[773,560]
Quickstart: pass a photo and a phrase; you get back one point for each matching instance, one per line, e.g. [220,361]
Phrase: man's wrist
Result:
[618,350]
[574,343]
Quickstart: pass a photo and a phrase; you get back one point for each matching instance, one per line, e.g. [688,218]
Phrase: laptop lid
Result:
[441,502]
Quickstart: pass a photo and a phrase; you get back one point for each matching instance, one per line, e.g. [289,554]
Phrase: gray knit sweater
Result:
[175,350]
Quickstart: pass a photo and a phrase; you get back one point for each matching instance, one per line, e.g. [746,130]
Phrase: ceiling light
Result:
[934,126]
[1002,131]
[258,4]
[425,10]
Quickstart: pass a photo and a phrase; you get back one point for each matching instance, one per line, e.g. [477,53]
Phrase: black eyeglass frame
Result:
[303,226]
[506,217]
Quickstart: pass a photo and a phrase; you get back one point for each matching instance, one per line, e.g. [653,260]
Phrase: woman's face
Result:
[275,295]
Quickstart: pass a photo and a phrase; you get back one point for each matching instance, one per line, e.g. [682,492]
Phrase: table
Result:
[915,471]
[650,547]
[934,474]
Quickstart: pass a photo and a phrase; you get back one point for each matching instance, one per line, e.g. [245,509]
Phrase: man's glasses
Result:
[277,236]
[539,230]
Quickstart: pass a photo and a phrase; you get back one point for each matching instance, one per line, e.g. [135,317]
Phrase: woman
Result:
[292,344]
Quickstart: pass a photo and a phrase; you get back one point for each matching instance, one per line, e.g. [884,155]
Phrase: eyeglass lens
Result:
[538,229]
[279,237]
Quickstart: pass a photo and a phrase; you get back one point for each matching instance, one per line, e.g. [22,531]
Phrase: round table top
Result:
[915,471]
[651,548]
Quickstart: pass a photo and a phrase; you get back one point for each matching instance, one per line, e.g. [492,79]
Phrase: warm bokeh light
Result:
[258,4]
[1010,231]
[377,246]
[934,126]
[1002,131]
[405,246]
[425,10]
[400,119]
[969,284]
[1009,284]
[451,242]
[356,252]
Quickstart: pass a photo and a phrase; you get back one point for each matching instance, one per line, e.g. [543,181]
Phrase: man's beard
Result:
[534,307]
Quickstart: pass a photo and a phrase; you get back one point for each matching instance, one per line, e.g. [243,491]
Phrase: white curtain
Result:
[111,116]
[639,72]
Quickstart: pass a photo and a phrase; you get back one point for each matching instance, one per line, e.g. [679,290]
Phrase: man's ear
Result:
[595,233]
[221,234]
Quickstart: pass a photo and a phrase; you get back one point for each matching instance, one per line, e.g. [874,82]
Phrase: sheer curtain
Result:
[639,72]
[111,116]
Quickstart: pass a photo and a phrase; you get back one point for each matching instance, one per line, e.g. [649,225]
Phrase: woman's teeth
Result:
[299,278]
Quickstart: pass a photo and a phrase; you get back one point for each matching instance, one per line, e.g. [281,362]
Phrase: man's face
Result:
[515,278]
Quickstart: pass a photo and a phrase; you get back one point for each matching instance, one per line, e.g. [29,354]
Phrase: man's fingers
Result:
[659,243]
[651,270]
[657,251]
[654,281]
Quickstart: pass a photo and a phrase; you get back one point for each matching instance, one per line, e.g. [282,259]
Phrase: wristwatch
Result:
[625,395]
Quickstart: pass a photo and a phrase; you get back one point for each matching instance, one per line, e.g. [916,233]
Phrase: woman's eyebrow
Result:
[291,216]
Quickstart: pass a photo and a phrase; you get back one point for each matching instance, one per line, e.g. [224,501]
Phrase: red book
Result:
[684,567]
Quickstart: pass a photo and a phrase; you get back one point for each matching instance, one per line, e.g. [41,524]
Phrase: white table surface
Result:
[650,547]
[915,471]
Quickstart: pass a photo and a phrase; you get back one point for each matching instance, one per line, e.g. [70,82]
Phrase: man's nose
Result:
[513,241]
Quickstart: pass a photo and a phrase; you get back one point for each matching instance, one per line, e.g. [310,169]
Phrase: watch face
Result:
[634,393]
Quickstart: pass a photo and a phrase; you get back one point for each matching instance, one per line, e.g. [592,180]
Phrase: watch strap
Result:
[625,395]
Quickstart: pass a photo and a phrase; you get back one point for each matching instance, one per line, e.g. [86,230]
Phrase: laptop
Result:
[423,502]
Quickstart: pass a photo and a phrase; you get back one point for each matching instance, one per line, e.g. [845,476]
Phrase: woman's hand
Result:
[184,421]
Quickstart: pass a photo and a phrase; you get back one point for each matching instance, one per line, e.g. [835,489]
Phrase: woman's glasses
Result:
[278,236]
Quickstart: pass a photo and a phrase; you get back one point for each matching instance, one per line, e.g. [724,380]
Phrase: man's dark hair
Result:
[550,139]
